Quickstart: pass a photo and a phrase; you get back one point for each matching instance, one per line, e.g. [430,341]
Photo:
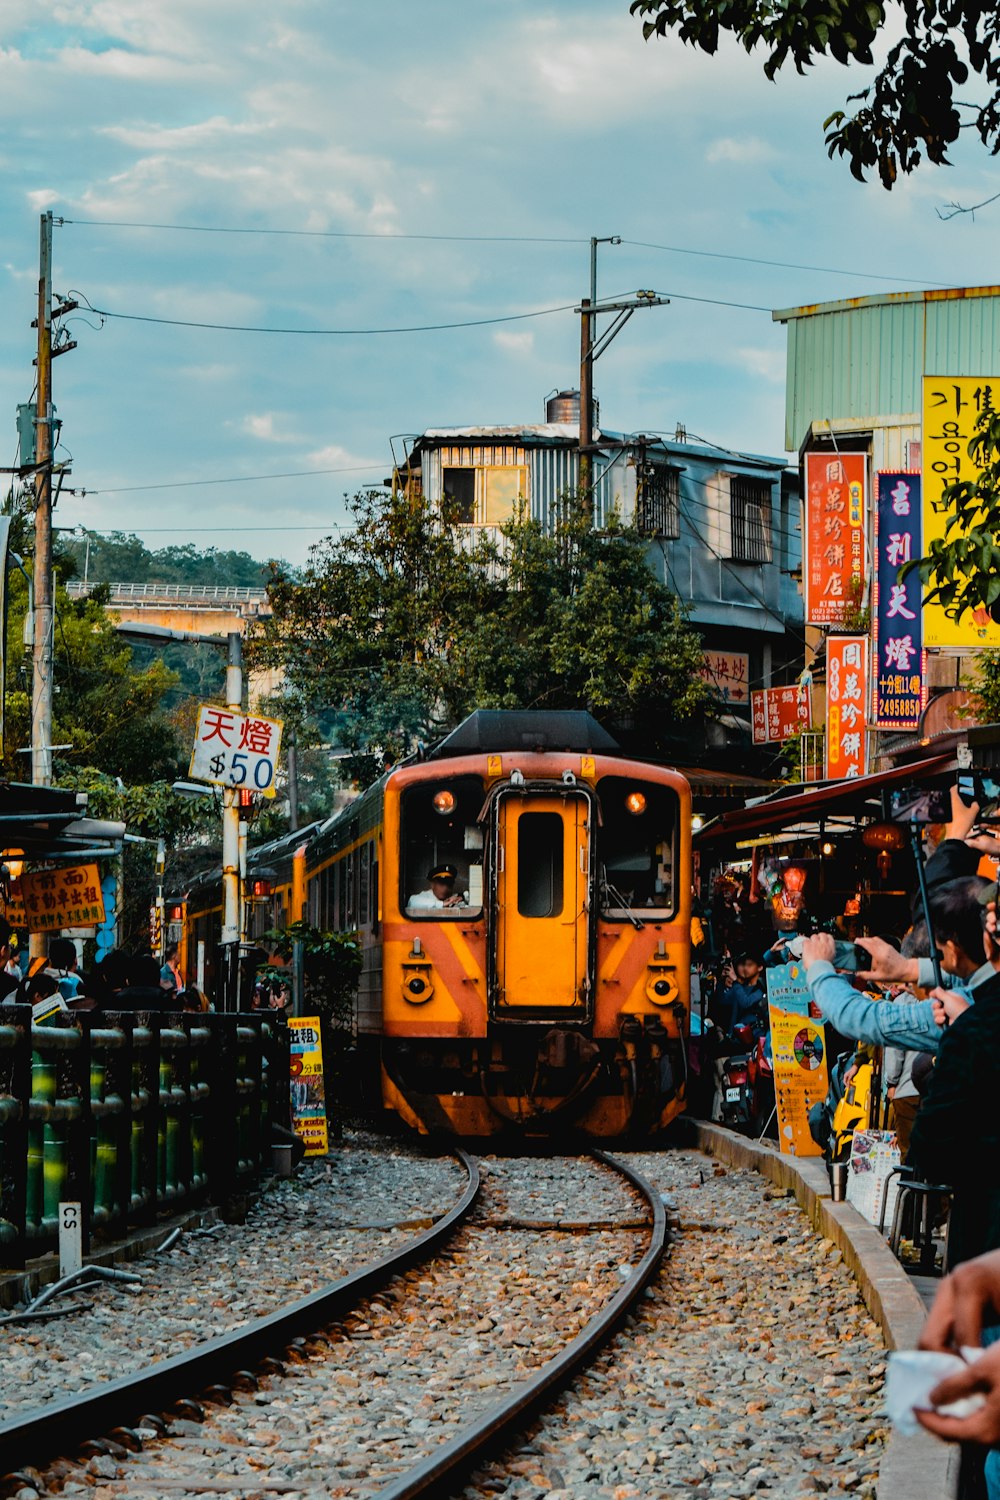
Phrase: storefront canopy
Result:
[42,822]
[814,802]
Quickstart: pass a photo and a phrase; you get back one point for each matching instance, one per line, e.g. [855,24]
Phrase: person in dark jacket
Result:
[143,990]
[744,1000]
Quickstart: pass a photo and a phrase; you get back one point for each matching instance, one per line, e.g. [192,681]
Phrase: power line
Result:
[786,265]
[486,239]
[542,312]
[183,484]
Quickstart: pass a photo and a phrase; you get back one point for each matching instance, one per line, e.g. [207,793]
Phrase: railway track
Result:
[299,1350]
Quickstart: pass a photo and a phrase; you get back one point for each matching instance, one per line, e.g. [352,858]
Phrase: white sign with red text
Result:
[239,750]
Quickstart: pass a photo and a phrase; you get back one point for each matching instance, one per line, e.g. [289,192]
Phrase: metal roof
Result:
[863,358]
[489,729]
[559,433]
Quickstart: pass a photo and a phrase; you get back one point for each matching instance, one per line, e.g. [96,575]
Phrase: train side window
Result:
[539,864]
[637,848]
[364,884]
[350,881]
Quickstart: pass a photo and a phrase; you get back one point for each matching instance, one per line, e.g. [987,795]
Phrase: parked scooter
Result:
[747,1081]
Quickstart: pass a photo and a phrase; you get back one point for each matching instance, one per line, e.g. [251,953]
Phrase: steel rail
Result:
[38,1435]
[454,1459]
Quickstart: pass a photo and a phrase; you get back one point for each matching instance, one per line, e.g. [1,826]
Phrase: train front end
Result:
[554,995]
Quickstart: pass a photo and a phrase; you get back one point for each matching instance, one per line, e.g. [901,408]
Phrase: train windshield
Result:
[637,854]
[441,844]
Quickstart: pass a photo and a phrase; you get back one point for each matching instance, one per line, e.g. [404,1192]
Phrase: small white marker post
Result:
[70,1239]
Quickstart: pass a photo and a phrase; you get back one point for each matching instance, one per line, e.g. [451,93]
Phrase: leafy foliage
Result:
[985,686]
[910,110]
[403,625]
[121,557]
[963,565]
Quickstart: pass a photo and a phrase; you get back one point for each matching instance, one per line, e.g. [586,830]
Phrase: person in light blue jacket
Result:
[957,917]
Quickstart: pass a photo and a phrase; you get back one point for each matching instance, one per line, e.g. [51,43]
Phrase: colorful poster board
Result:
[798,1050]
[778,713]
[69,897]
[238,750]
[870,1183]
[846,701]
[952,406]
[308,1087]
[834,535]
[899,691]
[727,673]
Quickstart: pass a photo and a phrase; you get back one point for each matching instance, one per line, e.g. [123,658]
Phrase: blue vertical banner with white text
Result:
[899,691]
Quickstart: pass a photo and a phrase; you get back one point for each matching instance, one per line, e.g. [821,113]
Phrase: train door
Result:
[542,933]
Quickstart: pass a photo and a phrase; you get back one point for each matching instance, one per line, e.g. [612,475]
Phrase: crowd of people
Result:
[54,983]
[937,1021]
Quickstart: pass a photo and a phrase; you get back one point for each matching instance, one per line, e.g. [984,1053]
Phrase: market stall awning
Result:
[44,822]
[813,801]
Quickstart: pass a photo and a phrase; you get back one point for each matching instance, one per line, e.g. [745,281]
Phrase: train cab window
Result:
[539,864]
[438,827]
[637,852]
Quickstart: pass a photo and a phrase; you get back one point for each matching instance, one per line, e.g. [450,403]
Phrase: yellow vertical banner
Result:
[952,407]
[308,1086]
[798,1051]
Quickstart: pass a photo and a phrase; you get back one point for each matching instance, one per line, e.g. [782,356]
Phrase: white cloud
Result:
[207,134]
[141,67]
[515,343]
[334,456]
[768,364]
[745,150]
[262,426]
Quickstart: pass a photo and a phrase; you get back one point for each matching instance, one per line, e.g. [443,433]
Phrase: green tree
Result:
[122,557]
[910,110]
[400,627]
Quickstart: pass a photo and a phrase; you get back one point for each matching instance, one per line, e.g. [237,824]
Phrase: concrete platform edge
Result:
[916,1468]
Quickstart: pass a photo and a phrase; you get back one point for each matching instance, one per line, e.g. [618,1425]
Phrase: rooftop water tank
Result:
[564,406]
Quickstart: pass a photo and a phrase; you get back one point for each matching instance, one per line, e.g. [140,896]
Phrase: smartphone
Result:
[916,804]
[851,957]
[975,787]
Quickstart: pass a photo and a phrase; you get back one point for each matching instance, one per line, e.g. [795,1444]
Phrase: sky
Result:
[329,165]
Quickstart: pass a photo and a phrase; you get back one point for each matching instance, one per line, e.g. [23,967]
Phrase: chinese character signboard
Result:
[952,406]
[727,673]
[54,899]
[846,696]
[898,694]
[835,532]
[234,749]
[308,1093]
[799,1058]
[778,713]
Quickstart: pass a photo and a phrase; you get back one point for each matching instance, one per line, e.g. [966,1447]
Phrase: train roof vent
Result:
[490,729]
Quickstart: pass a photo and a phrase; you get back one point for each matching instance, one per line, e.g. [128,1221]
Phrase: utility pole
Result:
[231,840]
[41,654]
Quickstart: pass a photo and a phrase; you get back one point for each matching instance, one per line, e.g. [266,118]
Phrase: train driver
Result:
[442,892]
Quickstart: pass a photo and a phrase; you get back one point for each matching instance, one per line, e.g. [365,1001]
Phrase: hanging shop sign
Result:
[57,899]
[232,749]
[846,698]
[778,713]
[952,407]
[899,666]
[308,1087]
[798,1050]
[834,535]
[727,674]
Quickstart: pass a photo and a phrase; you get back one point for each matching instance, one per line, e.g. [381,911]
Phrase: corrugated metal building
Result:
[723,526]
[857,366]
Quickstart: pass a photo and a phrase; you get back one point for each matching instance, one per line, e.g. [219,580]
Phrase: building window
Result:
[459,487]
[657,503]
[750,515]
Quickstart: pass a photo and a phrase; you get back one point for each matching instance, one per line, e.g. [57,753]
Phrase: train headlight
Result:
[636,803]
[444,802]
[418,983]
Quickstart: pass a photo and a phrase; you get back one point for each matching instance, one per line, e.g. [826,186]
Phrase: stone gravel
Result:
[334,1216]
[752,1369]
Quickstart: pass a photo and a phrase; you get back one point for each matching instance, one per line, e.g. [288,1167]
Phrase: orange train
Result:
[555,995]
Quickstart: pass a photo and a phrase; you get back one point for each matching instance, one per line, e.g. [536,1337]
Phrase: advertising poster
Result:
[308,1090]
[778,713]
[846,701]
[898,671]
[232,749]
[727,673]
[835,534]
[55,899]
[952,406]
[798,1048]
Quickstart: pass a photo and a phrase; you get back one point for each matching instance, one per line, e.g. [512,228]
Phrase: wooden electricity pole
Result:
[41,654]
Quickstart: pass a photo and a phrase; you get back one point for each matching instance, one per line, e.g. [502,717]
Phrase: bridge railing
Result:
[207,592]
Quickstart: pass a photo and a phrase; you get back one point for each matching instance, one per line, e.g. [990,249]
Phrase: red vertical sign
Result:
[835,530]
[778,713]
[846,697]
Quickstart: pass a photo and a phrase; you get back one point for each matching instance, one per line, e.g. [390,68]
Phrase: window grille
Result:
[750,515]
[657,506]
